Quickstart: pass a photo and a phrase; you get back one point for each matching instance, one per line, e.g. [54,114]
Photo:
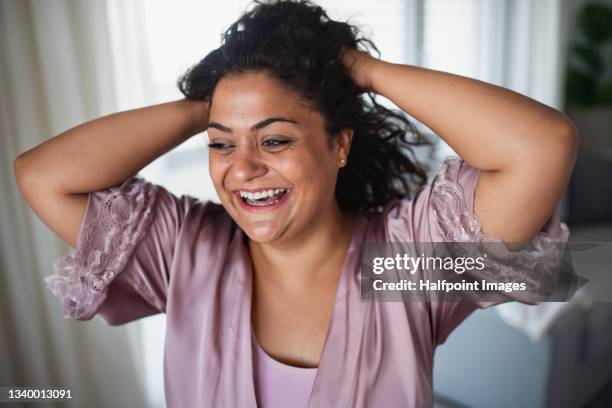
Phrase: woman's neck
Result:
[306,261]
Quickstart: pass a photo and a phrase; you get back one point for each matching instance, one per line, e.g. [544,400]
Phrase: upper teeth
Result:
[261,194]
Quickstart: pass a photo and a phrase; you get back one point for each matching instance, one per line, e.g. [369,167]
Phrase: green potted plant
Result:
[589,78]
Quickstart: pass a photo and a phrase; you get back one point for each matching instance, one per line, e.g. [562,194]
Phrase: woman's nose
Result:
[247,166]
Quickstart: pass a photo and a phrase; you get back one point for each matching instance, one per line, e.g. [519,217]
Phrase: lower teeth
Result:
[261,204]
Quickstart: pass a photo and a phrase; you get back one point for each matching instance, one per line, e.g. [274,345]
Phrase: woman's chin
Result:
[263,233]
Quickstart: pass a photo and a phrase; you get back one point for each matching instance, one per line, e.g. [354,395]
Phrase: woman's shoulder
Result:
[205,217]
[185,213]
[448,195]
[198,207]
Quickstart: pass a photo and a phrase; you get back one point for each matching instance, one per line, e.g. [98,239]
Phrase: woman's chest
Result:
[292,328]
[370,348]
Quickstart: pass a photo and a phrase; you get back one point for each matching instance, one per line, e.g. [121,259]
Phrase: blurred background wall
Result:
[63,62]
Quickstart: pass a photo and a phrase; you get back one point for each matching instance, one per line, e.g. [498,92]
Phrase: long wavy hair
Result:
[297,43]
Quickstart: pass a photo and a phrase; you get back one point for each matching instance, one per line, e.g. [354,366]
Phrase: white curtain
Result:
[533,60]
[56,72]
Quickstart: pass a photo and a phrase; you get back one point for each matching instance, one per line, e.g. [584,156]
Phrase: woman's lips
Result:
[263,208]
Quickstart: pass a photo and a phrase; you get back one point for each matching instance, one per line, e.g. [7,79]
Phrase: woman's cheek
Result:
[217,172]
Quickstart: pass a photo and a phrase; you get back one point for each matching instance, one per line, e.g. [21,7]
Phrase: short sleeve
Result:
[121,264]
[443,211]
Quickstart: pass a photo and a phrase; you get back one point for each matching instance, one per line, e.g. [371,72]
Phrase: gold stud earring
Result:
[342,162]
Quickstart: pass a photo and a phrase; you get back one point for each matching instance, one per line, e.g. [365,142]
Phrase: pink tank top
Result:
[278,384]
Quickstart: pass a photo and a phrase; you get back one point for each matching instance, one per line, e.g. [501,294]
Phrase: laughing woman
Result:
[262,292]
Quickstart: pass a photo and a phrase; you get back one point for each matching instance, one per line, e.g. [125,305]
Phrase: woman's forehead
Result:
[249,98]
[253,88]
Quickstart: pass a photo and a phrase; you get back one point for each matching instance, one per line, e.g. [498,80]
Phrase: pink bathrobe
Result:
[142,251]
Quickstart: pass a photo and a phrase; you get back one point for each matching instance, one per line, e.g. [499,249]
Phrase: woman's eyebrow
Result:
[259,125]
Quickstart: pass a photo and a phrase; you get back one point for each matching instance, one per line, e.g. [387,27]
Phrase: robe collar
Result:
[340,354]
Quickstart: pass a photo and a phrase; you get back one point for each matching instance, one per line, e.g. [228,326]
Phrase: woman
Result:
[262,292]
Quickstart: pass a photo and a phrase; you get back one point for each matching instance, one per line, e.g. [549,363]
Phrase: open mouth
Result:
[264,198]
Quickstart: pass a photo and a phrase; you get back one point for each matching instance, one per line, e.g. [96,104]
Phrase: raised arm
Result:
[55,177]
[525,150]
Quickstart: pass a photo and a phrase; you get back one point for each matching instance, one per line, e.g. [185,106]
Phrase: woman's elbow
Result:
[567,143]
[557,147]
[19,168]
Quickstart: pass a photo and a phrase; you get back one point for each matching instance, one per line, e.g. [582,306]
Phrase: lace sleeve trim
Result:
[105,243]
[459,223]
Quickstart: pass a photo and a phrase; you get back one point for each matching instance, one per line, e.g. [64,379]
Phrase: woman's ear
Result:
[344,140]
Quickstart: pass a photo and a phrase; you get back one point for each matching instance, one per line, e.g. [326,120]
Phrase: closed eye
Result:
[275,142]
[219,146]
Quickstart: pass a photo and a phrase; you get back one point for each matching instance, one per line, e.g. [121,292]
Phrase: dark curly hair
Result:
[297,43]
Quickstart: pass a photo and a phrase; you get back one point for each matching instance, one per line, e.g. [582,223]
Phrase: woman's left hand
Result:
[361,66]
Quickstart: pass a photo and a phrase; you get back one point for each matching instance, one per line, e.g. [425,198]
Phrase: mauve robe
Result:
[142,251]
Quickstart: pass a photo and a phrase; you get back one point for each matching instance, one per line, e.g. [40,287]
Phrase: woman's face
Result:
[271,161]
